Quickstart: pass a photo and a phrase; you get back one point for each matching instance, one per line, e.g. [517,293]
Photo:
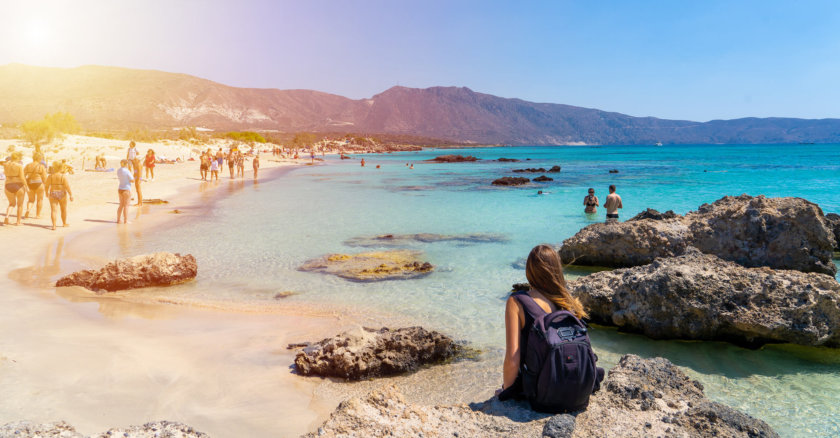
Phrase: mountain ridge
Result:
[106,97]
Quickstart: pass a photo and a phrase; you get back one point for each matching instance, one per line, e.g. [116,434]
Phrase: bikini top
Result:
[36,170]
[590,201]
[13,165]
[53,182]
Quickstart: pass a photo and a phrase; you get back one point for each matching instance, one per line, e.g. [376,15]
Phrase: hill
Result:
[112,98]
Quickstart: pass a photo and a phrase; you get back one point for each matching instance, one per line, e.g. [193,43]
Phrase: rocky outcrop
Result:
[531,170]
[510,181]
[157,429]
[543,178]
[391,240]
[158,269]
[782,233]
[834,222]
[364,353]
[508,160]
[371,266]
[554,169]
[700,296]
[640,398]
[453,159]
[650,213]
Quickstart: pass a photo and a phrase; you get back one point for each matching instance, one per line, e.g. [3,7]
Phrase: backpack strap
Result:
[531,307]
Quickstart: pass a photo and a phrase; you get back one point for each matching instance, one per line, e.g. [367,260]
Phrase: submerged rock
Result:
[782,233]
[407,239]
[364,353]
[158,269]
[700,296]
[508,160]
[640,398]
[511,181]
[453,159]
[543,178]
[654,214]
[371,266]
[63,430]
[531,170]
[554,169]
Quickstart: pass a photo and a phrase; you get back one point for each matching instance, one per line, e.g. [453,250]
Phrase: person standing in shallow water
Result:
[590,202]
[612,205]
[124,191]
[256,165]
[58,191]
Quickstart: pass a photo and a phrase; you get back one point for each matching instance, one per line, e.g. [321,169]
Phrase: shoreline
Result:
[147,343]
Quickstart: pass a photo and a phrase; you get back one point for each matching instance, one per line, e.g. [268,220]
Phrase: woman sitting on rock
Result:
[551,362]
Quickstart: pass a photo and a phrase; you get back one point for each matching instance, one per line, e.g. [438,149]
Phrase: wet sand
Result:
[100,361]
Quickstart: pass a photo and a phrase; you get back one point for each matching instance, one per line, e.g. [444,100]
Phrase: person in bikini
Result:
[591,202]
[58,190]
[15,186]
[612,205]
[137,180]
[124,191]
[35,175]
[149,163]
[256,165]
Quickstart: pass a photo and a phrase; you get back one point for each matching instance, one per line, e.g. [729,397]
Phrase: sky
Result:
[677,59]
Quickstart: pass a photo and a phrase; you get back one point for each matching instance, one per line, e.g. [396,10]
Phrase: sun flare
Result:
[37,32]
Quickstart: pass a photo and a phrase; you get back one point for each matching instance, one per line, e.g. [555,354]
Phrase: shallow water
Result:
[318,208]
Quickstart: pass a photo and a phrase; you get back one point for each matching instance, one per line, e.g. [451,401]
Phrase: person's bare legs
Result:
[11,197]
[53,210]
[122,210]
[63,204]
[139,192]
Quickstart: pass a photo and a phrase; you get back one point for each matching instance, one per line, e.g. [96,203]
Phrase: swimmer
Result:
[612,205]
[591,202]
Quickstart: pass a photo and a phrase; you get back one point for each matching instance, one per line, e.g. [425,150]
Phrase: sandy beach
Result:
[127,361]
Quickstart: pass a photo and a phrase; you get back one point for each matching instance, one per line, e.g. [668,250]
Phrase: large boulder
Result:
[158,269]
[834,221]
[371,266]
[510,181]
[782,233]
[364,353]
[700,296]
[616,244]
[650,213]
[641,398]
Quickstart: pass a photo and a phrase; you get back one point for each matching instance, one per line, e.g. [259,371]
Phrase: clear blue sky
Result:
[697,60]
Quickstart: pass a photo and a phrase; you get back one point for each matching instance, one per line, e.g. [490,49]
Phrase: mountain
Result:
[105,98]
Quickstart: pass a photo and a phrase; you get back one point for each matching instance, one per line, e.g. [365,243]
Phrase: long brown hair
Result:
[544,272]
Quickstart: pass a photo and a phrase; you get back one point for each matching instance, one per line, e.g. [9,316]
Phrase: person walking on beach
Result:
[590,202]
[124,191]
[612,205]
[149,163]
[137,180]
[256,165]
[204,167]
[214,169]
[131,155]
[231,164]
[15,187]
[58,191]
[35,174]
[240,164]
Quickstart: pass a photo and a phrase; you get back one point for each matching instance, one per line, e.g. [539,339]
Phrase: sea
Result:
[250,246]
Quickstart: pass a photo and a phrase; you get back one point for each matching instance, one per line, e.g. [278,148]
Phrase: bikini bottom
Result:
[14,187]
[58,195]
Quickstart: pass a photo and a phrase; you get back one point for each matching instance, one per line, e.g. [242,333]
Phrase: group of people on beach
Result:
[34,181]
[210,164]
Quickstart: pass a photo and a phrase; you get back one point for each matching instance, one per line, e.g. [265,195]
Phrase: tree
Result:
[45,130]
[303,139]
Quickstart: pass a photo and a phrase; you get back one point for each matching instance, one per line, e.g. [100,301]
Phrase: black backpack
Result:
[557,367]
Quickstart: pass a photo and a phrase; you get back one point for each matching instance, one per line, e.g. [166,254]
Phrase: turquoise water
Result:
[315,209]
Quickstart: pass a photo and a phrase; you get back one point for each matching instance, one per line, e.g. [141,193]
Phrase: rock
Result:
[371,266]
[635,399]
[520,287]
[655,215]
[782,233]
[554,169]
[453,159]
[531,170]
[284,294]
[834,222]
[158,269]
[155,201]
[392,240]
[508,160]
[63,430]
[510,181]
[364,353]
[699,296]
[543,178]
[559,426]
[613,170]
